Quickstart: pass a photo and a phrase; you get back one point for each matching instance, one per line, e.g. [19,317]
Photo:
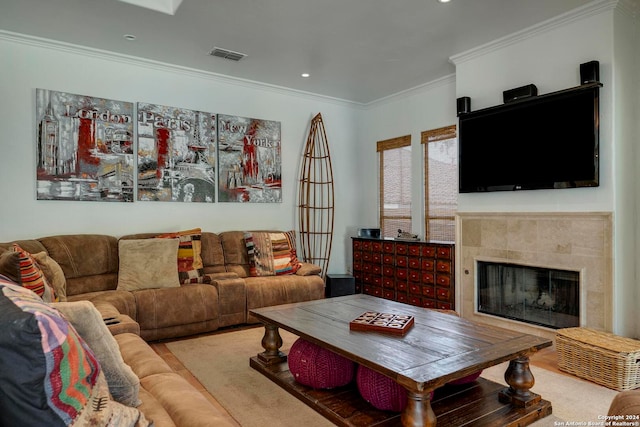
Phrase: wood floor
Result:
[545,358]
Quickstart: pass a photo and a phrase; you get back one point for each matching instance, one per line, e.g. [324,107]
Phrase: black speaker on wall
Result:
[519,93]
[590,72]
[463,105]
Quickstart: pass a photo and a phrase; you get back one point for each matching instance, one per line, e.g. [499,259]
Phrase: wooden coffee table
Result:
[439,348]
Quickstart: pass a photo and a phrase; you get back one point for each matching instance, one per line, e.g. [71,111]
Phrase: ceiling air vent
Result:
[227,54]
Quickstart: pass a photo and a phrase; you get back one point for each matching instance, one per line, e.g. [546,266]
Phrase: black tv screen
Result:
[543,142]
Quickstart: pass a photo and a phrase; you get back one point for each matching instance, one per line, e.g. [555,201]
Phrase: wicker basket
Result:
[601,357]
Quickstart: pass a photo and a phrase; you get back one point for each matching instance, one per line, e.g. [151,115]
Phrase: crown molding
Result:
[592,9]
[628,7]
[166,67]
[407,93]
[167,6]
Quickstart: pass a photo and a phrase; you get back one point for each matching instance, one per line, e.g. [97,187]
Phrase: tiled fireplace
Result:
[536,295]
[557,268]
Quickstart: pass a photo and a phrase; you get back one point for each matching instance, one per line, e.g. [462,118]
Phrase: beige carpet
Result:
[221,364]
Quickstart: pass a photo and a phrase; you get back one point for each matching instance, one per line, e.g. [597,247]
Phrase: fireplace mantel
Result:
[577,241]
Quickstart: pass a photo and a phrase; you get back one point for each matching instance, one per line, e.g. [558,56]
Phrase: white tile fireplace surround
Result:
[577,241]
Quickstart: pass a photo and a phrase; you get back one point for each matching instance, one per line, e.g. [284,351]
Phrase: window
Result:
[395,185]
[440,183]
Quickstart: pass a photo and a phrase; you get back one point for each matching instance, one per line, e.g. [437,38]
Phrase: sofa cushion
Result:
[275,290]
[190,266]
[148,264]
[172,312]
[49,375]
[234,249]
[10,266]
[53,273]
[123,301]
[212,253]
[271,253]
[89,261]
[142,359]
[87,320]
[31,246]
[186,405]
[32,277]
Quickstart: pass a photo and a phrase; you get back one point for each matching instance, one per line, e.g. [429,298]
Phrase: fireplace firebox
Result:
[535,295]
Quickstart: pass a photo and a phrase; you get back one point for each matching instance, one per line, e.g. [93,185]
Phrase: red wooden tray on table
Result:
[397,324]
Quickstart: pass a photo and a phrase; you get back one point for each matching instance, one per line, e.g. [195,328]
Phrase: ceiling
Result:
[354,50]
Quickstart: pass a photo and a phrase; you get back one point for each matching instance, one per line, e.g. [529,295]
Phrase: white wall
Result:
[549,57]
[429,107]
[28,64]
[625,128]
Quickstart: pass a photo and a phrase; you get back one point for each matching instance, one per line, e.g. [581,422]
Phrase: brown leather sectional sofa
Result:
[90,265]
[167,398]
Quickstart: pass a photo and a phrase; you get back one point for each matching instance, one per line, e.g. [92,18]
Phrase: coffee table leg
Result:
[520,380]
[271,342]
[418,412]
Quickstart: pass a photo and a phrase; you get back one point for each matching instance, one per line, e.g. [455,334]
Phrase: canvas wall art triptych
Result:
[96,149]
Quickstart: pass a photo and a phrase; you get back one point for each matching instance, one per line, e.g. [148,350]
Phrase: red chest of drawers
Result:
[416,273]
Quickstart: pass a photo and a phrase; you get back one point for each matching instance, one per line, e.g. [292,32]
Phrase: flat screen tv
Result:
[543,142]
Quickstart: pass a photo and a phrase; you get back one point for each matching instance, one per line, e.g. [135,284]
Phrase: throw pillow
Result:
[53,273]
[10,265]
[32,276]
[190,265]
[49,376]
[147,264]
[105,412]
[124,385]
[271,254]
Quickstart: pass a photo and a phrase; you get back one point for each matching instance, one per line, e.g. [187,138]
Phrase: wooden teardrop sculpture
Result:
[316,198]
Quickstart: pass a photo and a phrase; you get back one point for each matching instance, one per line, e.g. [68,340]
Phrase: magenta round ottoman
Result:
[381,391]
[467,379]
[317,367]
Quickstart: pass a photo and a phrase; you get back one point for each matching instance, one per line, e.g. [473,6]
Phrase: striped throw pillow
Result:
[271,254]
[32,276]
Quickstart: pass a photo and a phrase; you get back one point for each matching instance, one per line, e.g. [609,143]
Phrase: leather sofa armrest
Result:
[107,310]
[308,269]
[232,298]
[123,324]
[116,322]
[625,403]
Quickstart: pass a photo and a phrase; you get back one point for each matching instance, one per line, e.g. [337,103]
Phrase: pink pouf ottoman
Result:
[381,391]
[317,367]
[467,379]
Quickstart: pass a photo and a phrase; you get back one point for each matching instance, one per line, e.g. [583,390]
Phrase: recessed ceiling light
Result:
[129,37]
[444,1]
[305,75]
